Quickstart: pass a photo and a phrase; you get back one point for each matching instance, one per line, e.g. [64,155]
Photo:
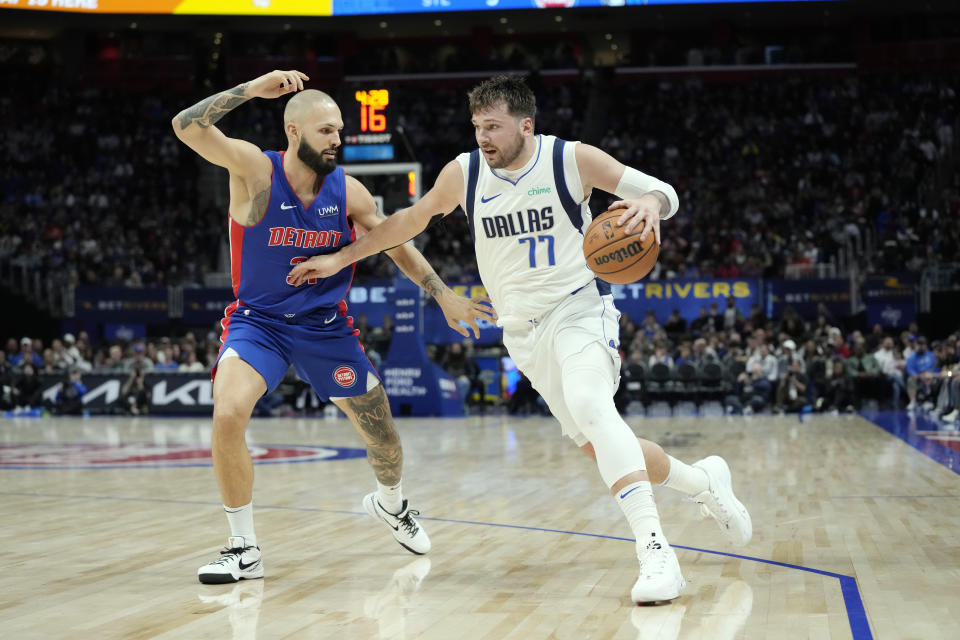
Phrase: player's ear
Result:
[293,132]
[526,126]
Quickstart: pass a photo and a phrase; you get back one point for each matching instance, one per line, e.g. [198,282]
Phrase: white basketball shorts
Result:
[540,348]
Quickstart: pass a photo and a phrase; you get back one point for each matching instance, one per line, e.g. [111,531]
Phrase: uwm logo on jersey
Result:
[294,237]
[332,210]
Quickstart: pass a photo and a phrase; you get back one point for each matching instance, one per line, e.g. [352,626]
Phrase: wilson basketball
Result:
[615,257]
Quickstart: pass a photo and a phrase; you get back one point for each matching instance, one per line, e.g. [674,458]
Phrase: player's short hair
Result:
[511,90]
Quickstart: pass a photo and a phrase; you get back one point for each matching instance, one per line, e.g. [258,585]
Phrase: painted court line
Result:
[853,602]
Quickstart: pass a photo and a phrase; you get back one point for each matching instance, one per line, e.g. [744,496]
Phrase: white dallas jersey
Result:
[528,232]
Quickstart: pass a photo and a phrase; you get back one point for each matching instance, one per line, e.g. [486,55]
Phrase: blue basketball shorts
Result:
[323,348]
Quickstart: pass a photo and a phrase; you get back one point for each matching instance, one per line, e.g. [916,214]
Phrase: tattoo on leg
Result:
[372,419]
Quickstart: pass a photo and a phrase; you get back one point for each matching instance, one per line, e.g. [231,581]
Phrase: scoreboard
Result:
[374,142]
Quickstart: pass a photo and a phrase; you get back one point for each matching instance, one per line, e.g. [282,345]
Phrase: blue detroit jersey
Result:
[262,256]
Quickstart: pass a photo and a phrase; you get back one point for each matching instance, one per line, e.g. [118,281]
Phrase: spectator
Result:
[699,324]
[865,375]
[191,364]
[732,317]
[753,389]
[887,361]
[702,354]
[459,363]
[675,325]
[28,390]
[7,394]
[138,359]
[113,362]
[766,360]
[135,394]
[650,326]
[839,392]
[792,390]
[921,383]
[69,400]
[26,355]
[788,353]
[660,355]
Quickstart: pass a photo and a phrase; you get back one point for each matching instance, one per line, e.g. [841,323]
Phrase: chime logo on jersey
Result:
[45,455]
[345,376]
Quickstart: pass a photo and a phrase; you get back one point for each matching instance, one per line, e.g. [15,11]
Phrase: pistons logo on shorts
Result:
[345,376]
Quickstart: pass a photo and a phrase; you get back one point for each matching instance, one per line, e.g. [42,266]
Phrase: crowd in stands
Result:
[775,176]
[787,365]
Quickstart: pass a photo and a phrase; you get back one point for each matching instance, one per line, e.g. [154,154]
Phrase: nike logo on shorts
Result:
[332,318]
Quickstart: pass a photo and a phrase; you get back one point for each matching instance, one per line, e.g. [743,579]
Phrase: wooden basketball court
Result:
[105,521]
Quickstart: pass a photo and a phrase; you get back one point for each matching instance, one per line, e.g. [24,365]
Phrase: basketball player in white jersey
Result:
[525,197]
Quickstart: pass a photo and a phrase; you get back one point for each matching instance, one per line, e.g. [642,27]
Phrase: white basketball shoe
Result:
[660,578]
[719,501]
[406,530]
[238,561]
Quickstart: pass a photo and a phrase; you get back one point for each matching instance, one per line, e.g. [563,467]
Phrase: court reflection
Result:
[391,606]
[720,620]
[242,603]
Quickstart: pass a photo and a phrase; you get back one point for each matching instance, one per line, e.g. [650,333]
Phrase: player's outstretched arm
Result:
[391,232]
[646,199]
[456,308]
[195,125]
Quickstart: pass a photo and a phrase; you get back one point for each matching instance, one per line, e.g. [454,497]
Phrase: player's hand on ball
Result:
[322,266]
[275,84]
[457,309]
[645,211]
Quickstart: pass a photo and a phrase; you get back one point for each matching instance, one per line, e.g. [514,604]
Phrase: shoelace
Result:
[654,561]
[716,508]
[409,523]
[226,554]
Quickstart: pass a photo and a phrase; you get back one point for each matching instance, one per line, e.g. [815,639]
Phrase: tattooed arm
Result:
[195,125]
[249,168]
[456,308]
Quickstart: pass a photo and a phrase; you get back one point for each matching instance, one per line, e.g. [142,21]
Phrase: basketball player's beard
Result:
[508,155]
[315,160]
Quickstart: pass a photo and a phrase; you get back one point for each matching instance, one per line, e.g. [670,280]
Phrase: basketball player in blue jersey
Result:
[525,197]
[284,208]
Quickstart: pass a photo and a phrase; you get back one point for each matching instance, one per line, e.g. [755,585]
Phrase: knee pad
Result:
[588,394]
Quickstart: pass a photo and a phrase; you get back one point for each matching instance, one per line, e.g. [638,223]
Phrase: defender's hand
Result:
[275,84]
[316,267]
[458,309]
[645,210]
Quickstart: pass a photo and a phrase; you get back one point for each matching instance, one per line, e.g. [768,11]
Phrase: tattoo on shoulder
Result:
[432,284]
[258,207]
[209,111]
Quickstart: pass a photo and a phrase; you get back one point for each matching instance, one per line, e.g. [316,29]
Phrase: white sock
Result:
[391,498]
[241,523]
[686,479]
[636,502]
